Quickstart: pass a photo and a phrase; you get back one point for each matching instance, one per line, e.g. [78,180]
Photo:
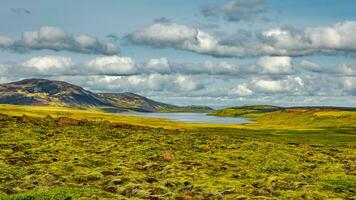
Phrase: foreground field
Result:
[87,154]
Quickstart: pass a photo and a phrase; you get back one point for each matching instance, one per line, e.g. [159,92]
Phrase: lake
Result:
[191,117]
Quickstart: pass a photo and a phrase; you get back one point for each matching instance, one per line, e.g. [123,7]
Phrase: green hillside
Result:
[59,93]
[60,153]
[249,111]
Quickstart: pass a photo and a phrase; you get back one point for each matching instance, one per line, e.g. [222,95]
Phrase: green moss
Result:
[58,194]
[50,158]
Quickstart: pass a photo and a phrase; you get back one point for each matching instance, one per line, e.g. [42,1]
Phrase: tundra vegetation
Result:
[65,153]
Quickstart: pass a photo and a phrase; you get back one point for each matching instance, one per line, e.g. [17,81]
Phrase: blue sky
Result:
[218,53]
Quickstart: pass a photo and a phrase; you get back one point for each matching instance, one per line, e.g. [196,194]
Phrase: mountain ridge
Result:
[59,93]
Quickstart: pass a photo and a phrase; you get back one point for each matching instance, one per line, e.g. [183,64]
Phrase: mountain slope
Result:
[59,93]
[139,103]
[245,111]
[256,111]
[47,92]
[132,101]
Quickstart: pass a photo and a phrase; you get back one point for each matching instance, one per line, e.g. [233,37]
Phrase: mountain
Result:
[139,103]
[47,92]
[254,111]
[59,93]
[133,101]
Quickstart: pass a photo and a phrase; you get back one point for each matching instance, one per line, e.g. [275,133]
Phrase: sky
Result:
[217,53]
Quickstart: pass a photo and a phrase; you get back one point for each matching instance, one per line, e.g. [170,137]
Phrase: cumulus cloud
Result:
[347,69]
[265,65]
[289,84]
[335,39]
[59,65]
[56,39]
[139,83]
[125,66]
[341,69]
[160,65]
[264,77]
[310,66]
[177,36]
[332,40]
[207,67]
[275,65]
[236,10]
[5,42]
[241,90]
[183,37]
[349,85]
[112,65]
[45,65]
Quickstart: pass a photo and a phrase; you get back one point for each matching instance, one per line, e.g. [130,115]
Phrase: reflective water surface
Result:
[191,117]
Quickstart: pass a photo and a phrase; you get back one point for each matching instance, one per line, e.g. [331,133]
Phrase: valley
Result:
[58,153]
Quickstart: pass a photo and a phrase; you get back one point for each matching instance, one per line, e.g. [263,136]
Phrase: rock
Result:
[68,121]
[168,155]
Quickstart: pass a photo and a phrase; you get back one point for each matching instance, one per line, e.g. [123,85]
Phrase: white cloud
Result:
[112,65]
[179,37]
[310,66]
[349,85]
[139,83]
[164,35]
[347,69]
[186,83]
[221,68]
[176,36]
[160,65]
[289,84]
[46,65]
[54,38]
[332,40]
[5,42]
[275,65]
[336,39]
[241,90]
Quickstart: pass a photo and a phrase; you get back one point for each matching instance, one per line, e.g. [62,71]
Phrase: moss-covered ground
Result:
[61,153]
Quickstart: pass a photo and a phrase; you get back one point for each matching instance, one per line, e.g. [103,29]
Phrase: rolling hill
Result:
[59,93]
[46,92]
[255,111]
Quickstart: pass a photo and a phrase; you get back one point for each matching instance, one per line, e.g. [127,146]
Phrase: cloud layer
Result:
[54,38]
[267,76]
[337,39]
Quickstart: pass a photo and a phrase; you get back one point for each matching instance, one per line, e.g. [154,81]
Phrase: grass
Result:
[60,194]
[87,154]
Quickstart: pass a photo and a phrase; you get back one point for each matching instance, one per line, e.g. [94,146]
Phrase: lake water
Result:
[191,117]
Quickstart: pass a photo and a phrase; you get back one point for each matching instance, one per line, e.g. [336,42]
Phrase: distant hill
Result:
[253,111]
[139,103]
[132,101]
[46,92]
[59,93]
[245,111]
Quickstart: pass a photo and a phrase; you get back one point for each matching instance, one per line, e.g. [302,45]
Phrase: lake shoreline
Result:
[189,117]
